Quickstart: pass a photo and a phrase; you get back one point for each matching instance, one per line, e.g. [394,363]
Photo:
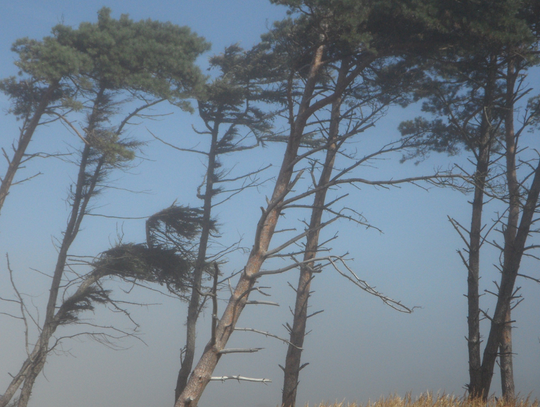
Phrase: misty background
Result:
[359,349]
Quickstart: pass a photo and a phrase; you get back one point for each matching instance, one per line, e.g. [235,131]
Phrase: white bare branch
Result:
[256,302]
[240,378]
[239,350]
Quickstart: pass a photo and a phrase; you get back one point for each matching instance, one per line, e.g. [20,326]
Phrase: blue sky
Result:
[359,349]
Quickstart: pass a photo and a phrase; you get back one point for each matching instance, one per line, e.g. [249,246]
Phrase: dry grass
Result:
[444,400]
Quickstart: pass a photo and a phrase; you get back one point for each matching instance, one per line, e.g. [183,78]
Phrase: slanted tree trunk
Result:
[194,303]
[298,330]
[475,242]
[84,190]
[507,369]
[506,288]
[24,140]
[265,229]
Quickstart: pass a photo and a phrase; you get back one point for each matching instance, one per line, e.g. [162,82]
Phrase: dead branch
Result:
[240,378]
[243,176]
[287,268]
[267,334]
[278,249]
[239,350]
[257,302]
[529,277]
[189,150]
[458,227]
[397,305]
[22,306]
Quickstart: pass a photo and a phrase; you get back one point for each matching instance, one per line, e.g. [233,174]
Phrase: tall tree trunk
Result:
[507,369]
[52,321]
[265,229]
[506,287]
[303,290]
[475,242]
[18,379]
[24,140]
[194,303]
[83,192]
[506,360]
[30,379]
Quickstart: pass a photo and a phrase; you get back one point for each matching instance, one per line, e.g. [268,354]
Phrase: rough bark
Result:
[506,360]
[24,140]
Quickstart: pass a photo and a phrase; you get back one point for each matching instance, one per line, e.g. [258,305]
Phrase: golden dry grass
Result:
[444,400]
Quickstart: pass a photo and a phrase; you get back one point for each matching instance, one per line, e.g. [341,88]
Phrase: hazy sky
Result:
[358,349]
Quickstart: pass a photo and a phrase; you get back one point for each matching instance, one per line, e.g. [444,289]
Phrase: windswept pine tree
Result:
[472,91]
[144,61]
[365,32]
[145,57]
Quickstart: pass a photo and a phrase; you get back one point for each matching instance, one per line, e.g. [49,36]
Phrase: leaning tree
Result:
[365,32]
[144,62]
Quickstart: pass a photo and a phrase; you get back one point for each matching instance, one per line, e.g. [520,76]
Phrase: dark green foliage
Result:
[234,97]
[167,259]
[49,60]
[147,264]
[148,56]
[175,227]
[465,84]
[168,256]
[81,302]
[27,94]
[351,27]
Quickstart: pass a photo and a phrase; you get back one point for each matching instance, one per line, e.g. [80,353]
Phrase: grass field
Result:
[438,400]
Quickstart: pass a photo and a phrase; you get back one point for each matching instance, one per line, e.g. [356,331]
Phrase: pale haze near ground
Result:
[359,349]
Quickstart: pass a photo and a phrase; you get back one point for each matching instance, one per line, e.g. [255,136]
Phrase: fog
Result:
[358,349]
